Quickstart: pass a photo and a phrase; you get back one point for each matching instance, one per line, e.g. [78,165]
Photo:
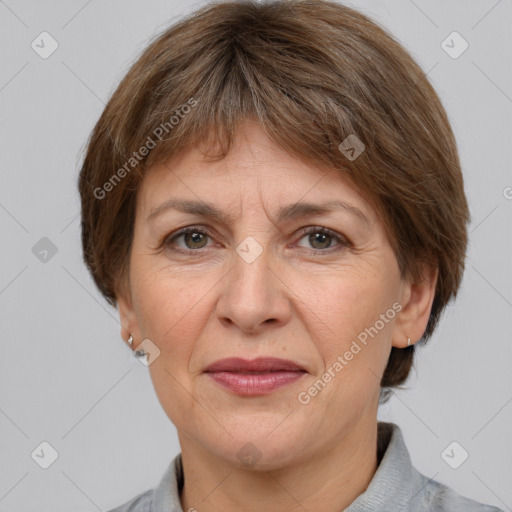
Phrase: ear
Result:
[417,299]
[128,318]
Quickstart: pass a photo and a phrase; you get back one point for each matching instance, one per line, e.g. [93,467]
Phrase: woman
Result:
[273,200]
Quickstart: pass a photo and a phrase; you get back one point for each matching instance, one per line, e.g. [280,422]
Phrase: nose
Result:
[253,296]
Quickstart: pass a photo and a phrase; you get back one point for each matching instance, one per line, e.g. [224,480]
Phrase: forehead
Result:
[256,170]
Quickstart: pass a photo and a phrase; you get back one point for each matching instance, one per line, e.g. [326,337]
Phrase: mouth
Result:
[254,377]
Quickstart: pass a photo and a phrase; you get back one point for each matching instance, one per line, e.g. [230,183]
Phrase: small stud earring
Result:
[136,353]
[408,342]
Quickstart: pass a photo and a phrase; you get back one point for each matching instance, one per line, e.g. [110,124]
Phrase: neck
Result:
[329,480]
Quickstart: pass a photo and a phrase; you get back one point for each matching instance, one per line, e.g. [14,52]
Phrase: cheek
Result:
[171,312]
[356,348]
[350,306]
[172,315]
[162,297]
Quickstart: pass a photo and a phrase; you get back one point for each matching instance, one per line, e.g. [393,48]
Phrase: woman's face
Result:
[258,286]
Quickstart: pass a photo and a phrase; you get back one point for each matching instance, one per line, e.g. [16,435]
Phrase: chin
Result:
[253,448]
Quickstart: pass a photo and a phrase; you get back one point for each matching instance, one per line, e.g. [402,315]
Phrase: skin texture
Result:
[303,298]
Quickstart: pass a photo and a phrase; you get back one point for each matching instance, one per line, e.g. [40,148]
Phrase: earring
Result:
[136,353]
[408,342]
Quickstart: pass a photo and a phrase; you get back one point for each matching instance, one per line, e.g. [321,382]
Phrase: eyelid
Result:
[167,239]
[343,241]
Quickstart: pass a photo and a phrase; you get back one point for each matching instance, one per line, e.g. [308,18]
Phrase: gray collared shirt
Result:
[396,486]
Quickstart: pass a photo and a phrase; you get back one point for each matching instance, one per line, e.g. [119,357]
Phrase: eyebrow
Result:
[291,211]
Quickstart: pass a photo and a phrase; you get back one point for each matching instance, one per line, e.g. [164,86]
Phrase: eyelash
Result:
[342,242]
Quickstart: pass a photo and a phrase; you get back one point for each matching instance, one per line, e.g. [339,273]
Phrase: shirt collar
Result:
[392,487]
[396,482]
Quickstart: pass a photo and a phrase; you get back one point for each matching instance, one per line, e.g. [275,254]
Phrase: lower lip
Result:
[246,384]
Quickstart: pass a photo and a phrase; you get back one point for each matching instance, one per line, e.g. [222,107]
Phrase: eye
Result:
[193,237]
[322,238]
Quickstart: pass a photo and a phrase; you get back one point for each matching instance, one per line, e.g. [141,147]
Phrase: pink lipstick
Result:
[254,377]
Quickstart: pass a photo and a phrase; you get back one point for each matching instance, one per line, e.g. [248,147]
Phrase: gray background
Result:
[67,378]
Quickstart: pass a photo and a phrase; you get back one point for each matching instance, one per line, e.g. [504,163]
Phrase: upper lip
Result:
[261,364]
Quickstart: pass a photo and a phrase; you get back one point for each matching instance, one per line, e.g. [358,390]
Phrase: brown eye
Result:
[321,239]
[194,238]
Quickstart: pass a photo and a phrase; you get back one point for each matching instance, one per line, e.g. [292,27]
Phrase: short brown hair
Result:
[311,72]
